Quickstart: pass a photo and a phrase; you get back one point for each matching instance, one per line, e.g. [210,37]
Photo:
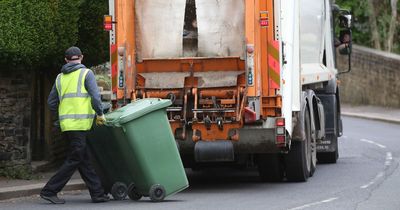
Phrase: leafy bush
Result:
[17,172]
[364,12]
[92,39]
[36,33]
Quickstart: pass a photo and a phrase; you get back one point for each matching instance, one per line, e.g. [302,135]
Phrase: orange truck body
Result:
[261,40]
[279,91]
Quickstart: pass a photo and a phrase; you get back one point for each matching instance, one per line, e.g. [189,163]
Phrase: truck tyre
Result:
[298,160]
[313,158]
[313,153]
[270,167]
[329,157]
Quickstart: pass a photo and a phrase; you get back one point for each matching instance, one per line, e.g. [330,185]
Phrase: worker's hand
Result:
[100,120]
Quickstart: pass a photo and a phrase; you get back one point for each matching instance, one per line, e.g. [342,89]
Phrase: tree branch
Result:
[374,26]
[393,25]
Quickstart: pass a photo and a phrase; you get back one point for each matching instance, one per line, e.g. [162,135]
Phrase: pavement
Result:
[12,188]
[384,114]
[15,188]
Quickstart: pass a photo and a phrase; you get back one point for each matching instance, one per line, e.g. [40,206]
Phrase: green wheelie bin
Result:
[136,148]
[108,161]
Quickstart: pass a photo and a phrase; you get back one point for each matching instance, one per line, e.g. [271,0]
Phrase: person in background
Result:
[75,98]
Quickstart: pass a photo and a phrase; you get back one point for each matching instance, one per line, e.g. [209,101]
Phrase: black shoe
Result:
[53,199]
[100,199]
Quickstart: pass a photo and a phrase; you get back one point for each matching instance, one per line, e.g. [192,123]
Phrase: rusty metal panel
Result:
[217,79]
[173,80]
[168,80]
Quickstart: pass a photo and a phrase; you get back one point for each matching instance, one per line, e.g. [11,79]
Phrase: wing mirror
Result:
[345,20]
[345,42]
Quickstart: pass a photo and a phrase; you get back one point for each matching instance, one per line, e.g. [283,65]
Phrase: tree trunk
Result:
[393,24]
[374,26]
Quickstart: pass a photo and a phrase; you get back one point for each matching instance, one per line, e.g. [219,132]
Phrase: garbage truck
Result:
[252,82]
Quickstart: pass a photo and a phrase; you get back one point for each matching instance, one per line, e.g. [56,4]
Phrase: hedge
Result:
[36,33]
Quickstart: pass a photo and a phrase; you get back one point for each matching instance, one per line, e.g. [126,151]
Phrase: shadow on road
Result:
[214,178]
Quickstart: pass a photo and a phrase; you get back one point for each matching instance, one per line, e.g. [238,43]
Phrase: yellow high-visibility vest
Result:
[75,110]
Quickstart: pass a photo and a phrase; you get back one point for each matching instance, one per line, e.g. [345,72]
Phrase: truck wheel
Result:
[157,193]
[270,167]
[313,153]
[133,194]
[118,191]
[329,157]
[298,160]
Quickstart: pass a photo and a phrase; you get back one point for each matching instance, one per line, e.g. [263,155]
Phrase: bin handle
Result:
[112,122]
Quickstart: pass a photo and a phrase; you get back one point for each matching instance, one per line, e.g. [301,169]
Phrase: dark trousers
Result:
[78,158]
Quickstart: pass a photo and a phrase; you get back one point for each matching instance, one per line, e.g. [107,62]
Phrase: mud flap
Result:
[329,144]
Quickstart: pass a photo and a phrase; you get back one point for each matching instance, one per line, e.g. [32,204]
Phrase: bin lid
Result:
[135,110]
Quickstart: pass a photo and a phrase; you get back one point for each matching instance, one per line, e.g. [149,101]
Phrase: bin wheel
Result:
[157,193]
[133,194]
[119,191]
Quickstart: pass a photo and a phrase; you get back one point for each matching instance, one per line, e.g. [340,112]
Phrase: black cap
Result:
[71,52]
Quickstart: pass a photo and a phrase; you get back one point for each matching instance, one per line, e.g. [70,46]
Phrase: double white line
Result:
[388,162]
[374,143]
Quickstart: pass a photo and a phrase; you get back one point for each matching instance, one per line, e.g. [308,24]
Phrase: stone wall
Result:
[374,79]
[15,120]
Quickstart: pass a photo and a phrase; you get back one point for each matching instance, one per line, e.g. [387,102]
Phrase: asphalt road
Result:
[366,176]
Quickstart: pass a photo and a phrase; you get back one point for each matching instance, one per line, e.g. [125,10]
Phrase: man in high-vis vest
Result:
[76,100]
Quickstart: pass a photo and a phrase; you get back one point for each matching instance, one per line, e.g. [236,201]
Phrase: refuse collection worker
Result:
[76,99]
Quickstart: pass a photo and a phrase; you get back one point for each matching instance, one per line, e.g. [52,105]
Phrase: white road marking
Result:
[374,180]
[389,159]
[374,143]
[314,204]
[388,162]
[345,137]
[367,185]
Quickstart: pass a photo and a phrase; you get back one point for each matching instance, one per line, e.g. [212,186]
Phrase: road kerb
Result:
[378,118]
[34,189]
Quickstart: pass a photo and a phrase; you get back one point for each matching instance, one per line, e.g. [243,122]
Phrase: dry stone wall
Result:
[15,120]
[374,79]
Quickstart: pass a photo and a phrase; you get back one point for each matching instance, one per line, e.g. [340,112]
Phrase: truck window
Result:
[312,21]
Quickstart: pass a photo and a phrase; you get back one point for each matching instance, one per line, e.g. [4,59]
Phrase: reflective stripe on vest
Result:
[75,111]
